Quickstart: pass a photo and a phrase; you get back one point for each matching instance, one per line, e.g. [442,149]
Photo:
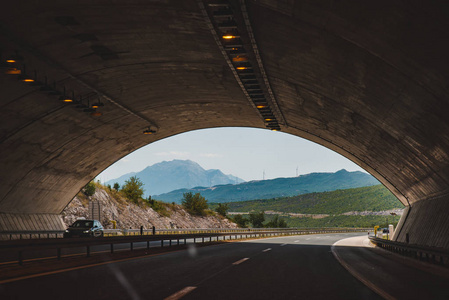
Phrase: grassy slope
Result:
[372,198]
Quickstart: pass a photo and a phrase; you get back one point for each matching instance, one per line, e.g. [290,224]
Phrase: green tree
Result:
[132,189]
[222,209]
[257,219]
[89,189]
[116,186]
[282,223]
[194,204]
[276,222]
[240,221]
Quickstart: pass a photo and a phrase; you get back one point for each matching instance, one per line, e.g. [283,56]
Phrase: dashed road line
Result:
[240,261]
[266,250]
[181,293]
[283,245]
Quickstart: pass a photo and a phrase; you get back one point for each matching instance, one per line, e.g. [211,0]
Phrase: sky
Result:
[247,153]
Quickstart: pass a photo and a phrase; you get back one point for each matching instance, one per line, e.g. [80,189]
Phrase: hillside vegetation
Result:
[280,187]
[372,198]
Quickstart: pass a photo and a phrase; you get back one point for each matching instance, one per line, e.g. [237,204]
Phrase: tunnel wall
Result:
[29,222]
[427,223]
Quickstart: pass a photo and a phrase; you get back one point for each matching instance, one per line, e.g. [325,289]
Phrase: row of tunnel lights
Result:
[12,68]
[233,45]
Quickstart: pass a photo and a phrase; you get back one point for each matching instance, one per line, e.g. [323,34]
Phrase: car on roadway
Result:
[84,228]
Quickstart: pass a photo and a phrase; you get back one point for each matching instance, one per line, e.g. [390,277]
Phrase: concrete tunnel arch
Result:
[367,80]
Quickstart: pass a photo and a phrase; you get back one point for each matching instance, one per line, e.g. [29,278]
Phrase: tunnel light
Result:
[268,119]
[97,105]
[229,36]
[11,61]
[261,106]
[13,71]
[28,80]
[242,68]
[149,131]
[66,99]
[239,57]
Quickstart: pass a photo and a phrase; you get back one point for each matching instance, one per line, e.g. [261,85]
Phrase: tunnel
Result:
[84,83]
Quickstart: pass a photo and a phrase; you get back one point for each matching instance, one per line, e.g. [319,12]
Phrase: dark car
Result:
[84,228]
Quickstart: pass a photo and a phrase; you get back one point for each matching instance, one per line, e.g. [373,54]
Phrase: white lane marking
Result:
[266,250]
[297,241]
[181,293]
[240,261]
[283,245]
[307,239]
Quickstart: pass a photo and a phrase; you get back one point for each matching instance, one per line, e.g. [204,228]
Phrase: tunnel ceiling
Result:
[368,80]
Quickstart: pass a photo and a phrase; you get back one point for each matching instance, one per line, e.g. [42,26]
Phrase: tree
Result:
[257,219]
[240,221]
[282,223]
[116,186]
[132,189]
[222,209]
[89,189]
[276,222]
[194,204]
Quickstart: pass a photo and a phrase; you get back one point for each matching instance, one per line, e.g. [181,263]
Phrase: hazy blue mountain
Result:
[167,176]
[280,187]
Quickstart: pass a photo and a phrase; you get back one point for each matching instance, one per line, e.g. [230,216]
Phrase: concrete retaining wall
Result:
[426,224]
[27,222]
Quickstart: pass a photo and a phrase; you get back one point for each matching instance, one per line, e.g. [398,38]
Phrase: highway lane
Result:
[294,267]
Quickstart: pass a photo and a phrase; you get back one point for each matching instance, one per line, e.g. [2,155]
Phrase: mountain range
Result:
[167,176]
[274,188]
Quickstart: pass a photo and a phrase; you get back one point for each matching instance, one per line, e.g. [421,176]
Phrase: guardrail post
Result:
[178,242]
[169,243]
[162,243]
[87,251]
[148,244]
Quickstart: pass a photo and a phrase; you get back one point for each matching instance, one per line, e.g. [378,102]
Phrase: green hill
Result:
[372,198]
[280,187]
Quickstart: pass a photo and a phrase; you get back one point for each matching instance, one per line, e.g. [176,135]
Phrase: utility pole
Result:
[263,174]
[296,171]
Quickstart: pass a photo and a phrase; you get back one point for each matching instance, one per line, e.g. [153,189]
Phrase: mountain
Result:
[274,188]
[167,176]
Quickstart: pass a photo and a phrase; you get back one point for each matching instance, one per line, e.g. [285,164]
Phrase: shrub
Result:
[89,189]
[194,204]
[116,186]
[240,221]
[132,189]
[257,219]
[222,209]
[276,222]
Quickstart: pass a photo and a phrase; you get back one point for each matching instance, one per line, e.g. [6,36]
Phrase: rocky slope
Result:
[129,215]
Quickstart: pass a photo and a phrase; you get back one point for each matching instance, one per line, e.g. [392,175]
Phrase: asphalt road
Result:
[294,267]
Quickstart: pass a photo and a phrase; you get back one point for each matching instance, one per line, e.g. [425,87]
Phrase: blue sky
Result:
[242,152]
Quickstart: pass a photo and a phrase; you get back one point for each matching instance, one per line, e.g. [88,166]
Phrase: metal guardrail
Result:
[33,234]
[20,246]
[434,255]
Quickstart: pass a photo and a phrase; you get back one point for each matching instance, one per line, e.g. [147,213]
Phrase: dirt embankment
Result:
[129,215]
